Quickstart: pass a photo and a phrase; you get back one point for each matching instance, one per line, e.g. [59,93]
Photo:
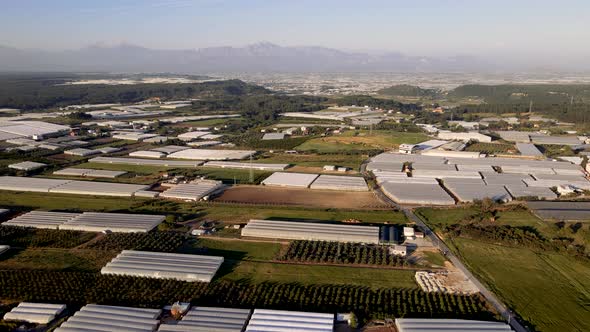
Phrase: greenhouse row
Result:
[164,265]
[36,313]
[205,154]
[238,165]
[15,183]
[193,191]
[88,221]
[100,318]
[441,324]
[90,173]
[208,319]
[291,230]
[145,162]
[288,321]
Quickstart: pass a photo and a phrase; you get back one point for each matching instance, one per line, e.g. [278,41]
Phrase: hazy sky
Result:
[420,27]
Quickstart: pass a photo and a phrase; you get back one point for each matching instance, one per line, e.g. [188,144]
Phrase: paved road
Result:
[437,242]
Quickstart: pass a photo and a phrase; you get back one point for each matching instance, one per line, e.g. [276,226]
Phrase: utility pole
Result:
[251,171]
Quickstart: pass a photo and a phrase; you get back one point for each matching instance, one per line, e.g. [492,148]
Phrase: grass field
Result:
[222,212]
[438,218]
[56,259]
[250,261]
[550,291]
[361,140]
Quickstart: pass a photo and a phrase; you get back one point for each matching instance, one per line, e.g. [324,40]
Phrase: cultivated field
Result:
[302,197]
[361,140]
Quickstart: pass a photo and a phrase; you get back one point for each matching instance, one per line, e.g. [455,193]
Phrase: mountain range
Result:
[259,57]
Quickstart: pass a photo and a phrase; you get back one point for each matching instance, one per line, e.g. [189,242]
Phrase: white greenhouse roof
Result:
[168,149]
[81,152]
[246,165]
[282,179]
[147,154]
[294,230]
[41,219]
[98,188]
[455,325]
[114,222]
[528,149]
[273,136]
[30,128]
[209,154]
[335,182]
[27,166]
[468,192]
[289,321]
[145,162]
[417,193]
[35,313]
[161,265]
[102,318]
[18,183]
[191,135]
[193,191]
[520,191]
[210,319]
[91,173]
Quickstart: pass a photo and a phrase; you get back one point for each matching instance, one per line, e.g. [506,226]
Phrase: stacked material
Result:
[281,179]
[522,191]
[273,136]
[527,149]
[193,191]
[41,219]
[311,231]
[466,191]
[161,265]
[35,313]
[147,154]
[98,188]
[289,321]
[102,318]
[113,222]
[91,173]
[417,193]
[205,154]
[17,183]
[335,182]
[575,211]
[145,162]
[210,319]
[81,152]
[27,166]
[455,325]
[168,149]
[238,165]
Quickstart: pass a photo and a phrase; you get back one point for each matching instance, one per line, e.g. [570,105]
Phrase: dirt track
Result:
[301,197]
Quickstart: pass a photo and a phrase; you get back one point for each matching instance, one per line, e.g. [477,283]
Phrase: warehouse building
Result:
[194,191]
[289,321]
[528,149]
[455,325]
[103,318]
[465,137]
[27,166]
[293,230]
[34,313]
[161,265]
[91,173]
[41,219]
[335,182]
[81,152]
[206,154]
[282,179]
[238,165]
[145,162]
[210,319]
[113,222]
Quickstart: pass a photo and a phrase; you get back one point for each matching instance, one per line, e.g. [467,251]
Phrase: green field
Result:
[438,218]
[359,140]
[550,291]
[223,212]
[55,259]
